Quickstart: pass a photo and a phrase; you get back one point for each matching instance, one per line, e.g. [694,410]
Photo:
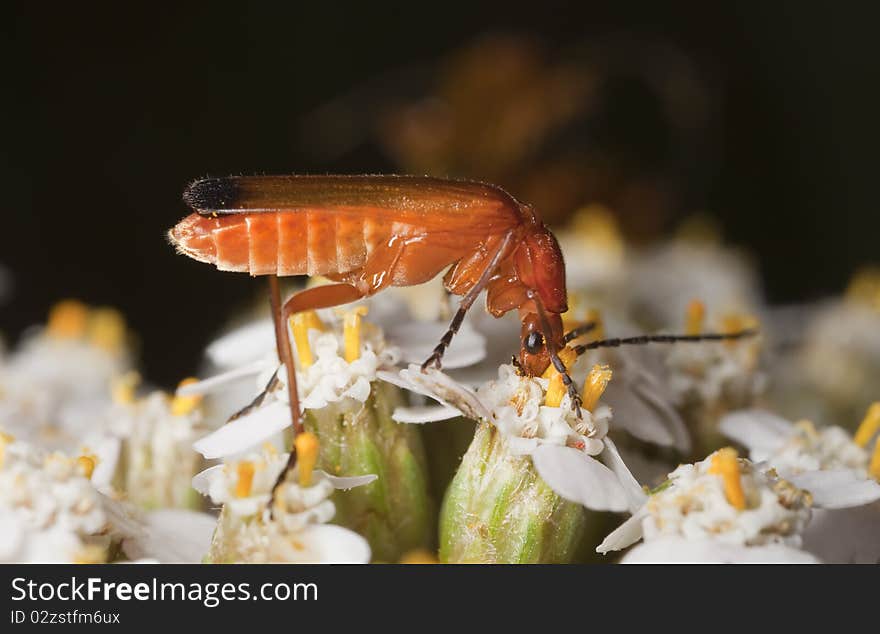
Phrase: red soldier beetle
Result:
[366,233]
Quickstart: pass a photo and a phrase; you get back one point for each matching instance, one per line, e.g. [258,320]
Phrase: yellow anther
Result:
[555,390]
[245,470]
[90,554]
[699,229]
[183,405]
[86,464]
[107,329]
[595,384]
[419,556]
[869,427]
[695,317]
[270,449]
[807,428]
[725,463]
[307,447]
[301,323]
[123,388]
[5,439]
[594,315]
[865,287]
[874,467]
[733,323]
[68,319]
[597,224]
[567,355]
[352,332]
[279,504]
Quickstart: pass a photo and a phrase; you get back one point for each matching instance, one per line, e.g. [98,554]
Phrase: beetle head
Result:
[534,353]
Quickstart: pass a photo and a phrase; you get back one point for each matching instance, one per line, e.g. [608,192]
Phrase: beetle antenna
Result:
[580,331]
[646,339]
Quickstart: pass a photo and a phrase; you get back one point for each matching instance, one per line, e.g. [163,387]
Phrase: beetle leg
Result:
[466,302]
[310,299]
[552,349]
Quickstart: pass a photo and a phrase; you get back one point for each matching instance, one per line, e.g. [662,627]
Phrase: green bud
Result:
[498,510]
[395,513]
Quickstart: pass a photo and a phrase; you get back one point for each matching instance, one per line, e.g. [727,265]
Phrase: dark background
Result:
[108,112]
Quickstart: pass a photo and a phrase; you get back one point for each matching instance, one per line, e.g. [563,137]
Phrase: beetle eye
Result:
[534,342]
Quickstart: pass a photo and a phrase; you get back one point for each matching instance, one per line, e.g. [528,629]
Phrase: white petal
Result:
[243,345]
[635,493]
[329,544]
[838,488]
[677,550]
[845,536]
[424,414]
[173,536]
[417,340]
[577,477]
[447,391]
[201,481]
[627,533]
[245,432]
[646,416]
[349,482]
[219,381]
[107,451]
[756,430]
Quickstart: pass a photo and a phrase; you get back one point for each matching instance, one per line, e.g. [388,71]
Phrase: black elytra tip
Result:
[211,194]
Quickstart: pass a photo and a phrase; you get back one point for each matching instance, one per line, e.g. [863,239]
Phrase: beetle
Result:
[369,232]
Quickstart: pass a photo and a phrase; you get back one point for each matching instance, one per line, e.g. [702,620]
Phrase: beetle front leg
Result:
[573,393]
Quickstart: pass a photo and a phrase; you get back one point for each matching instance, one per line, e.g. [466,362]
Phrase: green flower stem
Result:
[396,513]
[498,510]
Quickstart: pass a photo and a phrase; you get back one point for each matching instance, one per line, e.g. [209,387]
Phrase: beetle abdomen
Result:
[281,243]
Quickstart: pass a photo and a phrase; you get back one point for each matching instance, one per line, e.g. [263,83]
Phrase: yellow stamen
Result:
[874,467]
[556,390]
[736,322]
[695,317]
[107,329]
[122,388]
[870,425]
[865,287]
[301,323]
[183,405]
[90,554]
[5,439]
[419,556]
[245,470]
[86,464]
[725,463]
[567,355]
[597,224]
[307,447]
[595,316]
[352,332]
[68,319]
[699,229]
[595,384]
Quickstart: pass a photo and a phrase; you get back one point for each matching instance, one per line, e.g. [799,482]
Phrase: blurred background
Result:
[759,114]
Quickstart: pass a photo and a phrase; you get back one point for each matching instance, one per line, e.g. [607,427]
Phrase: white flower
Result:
[328,377]
[293,531]
[722,509]
[562,446]
[51,512]
[57,381]
[666,278]
[827,462]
